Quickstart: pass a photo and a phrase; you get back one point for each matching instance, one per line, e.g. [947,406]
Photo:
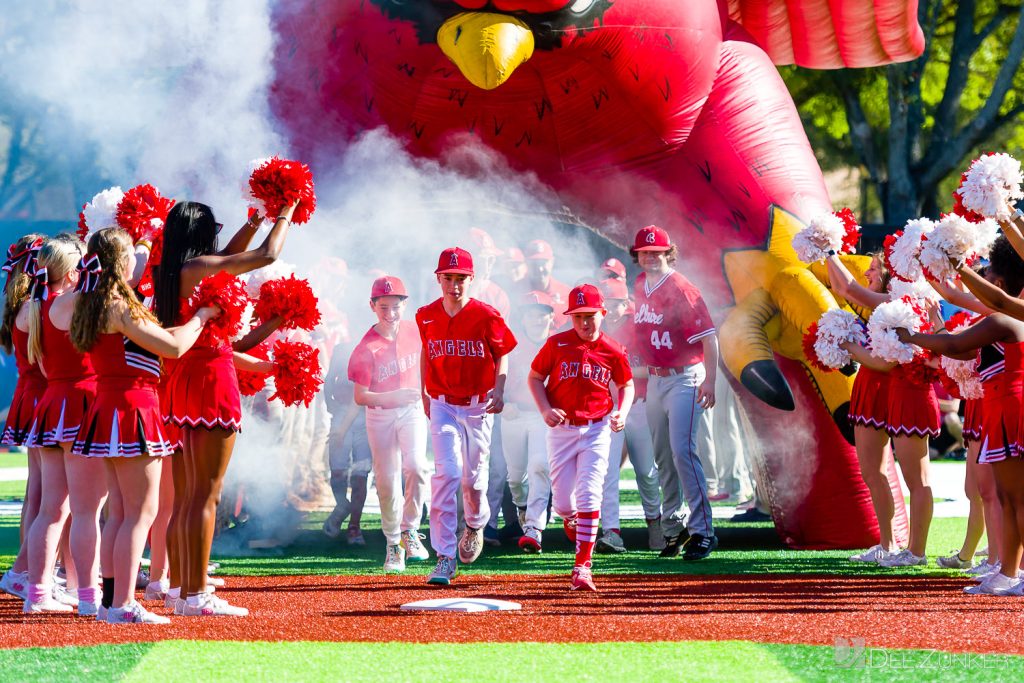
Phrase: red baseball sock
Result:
[586,535]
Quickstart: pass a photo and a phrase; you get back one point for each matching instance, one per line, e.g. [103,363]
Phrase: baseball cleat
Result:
[610,542]
[904,558]
[332,525]
[14,583]
[521,514]
[698,546]
[414,548]
[673,544]
[569,525]
[134,613]
[444,573]
[394,561]
[208,605]
[582,579]
[872,555]
[471,545]
[530,542]
[953,562]
[655,539]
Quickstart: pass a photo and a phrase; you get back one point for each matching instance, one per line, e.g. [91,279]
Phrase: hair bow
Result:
[89,270]
[40,290]
[26,257]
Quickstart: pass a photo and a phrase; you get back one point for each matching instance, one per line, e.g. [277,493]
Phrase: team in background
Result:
[542,389]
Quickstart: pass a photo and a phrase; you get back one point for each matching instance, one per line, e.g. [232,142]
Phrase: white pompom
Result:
[964,372]
[835,327]
[882,326]
[918,289]
[956,239]
[991,185]
[247,317]
[907,248]
[822,233]
[275,271]
[101,211]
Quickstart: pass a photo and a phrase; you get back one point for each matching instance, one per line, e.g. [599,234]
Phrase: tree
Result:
[913,127]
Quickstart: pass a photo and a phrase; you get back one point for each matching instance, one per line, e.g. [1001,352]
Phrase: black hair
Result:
[190,231]
[1004,262]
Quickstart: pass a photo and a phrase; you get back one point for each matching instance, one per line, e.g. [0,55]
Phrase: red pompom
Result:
[918,372]
[143,212]
[277,182]
[297,374]
[958,204]
[887,245]
[808,340]
[290,298]
[950,385]
[83,229]
[958,319]
[852,236]
[252,383]
[226,292]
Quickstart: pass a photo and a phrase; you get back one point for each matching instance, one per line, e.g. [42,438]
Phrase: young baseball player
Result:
[385,369]
[464,363]
[676,338]
[570,381]
[524,434]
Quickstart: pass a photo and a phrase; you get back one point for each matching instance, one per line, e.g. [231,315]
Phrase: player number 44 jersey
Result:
[670,321]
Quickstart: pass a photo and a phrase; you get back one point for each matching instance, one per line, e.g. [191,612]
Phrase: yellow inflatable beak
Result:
[486,47]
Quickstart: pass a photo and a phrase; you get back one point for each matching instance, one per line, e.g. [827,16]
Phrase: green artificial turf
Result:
[13,460]
[12,490]
[514,662]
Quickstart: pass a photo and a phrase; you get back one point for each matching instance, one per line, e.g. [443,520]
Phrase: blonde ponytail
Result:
[59,256]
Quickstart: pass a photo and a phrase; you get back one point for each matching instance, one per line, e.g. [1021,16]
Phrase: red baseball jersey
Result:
[578,373]
[462,350]
[625,334]
[381,364]
[670,320]
[493,295]
[559,293]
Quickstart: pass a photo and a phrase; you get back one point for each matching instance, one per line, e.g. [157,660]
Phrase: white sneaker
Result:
[156,590]
[395,560]
[414,548]
[88,609]
[873,555]
[101,613]
[170,596]
[207,605]
[953,562]
[65,597]
[610,542]
[471,545]
[15,583]
[134,613]
[47,604]
[531,542]
[142,579]
[215,581]
[179,607]
[904,558]
[990,570]
[996,584]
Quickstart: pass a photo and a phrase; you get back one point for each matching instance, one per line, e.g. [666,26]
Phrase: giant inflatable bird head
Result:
[634,112]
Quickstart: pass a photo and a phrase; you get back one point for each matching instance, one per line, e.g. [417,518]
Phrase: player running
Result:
[464,363]
[578,366]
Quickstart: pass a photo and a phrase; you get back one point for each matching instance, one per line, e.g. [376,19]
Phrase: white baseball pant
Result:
[637,438]
[398,442]
[461,437]
[672,413]
[706,449]
[497,473]
[730,453]
[578,458]
[525,441]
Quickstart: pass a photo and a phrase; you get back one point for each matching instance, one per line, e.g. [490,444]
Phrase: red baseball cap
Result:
[585,299]
[515,255]
[539,249]
[456,261]
[614,289]
[652,238]
[483,243]
[387,286]
[614,265]
[537,298]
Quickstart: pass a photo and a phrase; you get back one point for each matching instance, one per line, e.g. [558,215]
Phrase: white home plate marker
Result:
[463,605]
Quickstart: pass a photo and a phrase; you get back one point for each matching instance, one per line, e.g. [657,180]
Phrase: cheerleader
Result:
[204,401]
[123,427]
[869,404]
[70,484]
[20,264]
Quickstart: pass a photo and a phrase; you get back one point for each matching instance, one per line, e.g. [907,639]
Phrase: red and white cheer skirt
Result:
[124,421]
[61,411]
[204,392]
[1001,419]
[22,412]
[869,400]
[913,409]
[972,419]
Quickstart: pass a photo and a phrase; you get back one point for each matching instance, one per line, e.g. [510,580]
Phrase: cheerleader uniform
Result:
[204,391]
[991,363]
[913,408]
[171,431]
[124,420]
[869,400]
[28,391]
[70,387]
[1002,408]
